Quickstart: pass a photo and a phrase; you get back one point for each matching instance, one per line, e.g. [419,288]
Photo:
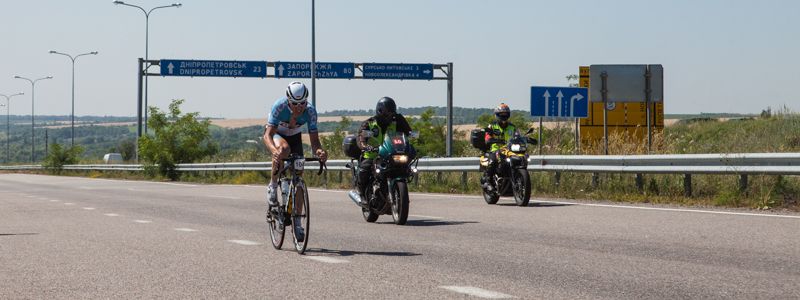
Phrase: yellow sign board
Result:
[629,118]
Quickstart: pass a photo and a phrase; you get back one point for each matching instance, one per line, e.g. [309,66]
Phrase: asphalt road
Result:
[64,237]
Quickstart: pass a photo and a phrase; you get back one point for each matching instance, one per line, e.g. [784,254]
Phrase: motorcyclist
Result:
[371,135]
[497,135]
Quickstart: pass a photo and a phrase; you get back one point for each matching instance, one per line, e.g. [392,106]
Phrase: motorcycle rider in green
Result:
[497,135]
[370,137]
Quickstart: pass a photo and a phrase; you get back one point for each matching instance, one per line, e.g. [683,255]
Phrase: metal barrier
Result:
[740,164]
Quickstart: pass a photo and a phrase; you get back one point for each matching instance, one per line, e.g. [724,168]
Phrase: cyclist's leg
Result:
[295,146]
[277,163]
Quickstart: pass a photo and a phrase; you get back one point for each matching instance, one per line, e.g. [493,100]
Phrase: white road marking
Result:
[674,209]
[244,242]
[425,217]
[112,215]
[178,184]
[325,259]
[477,292]
[131,189]
[185,229]
[53,200]
[226,197]
[88,208]
[67,203]
[143,221]
[85,188]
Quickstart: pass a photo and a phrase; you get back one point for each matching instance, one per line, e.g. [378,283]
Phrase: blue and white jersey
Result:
[280,116]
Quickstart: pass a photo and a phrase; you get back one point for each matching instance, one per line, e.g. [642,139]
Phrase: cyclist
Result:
[497,134]
[386,119]
[283,134]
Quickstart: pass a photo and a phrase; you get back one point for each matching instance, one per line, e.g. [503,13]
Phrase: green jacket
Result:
[376,140]
[508,132]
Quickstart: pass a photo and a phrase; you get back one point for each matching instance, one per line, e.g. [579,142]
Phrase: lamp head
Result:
[177,4]
[17,76]
[53,52]
[49,77]
[118,2]
[93,53]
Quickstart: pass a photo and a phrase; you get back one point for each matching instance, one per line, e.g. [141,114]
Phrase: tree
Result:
[176,139]
[333,143]
[126,148]
[59,156]
[432,135]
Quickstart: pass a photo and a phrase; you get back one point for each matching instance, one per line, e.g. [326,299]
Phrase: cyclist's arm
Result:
[362,140]
[313,134]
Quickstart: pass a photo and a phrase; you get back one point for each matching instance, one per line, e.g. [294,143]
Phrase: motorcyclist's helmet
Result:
[297,93]
[502,112]
[386,108]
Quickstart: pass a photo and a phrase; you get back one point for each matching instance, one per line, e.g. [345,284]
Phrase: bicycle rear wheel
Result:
[300,216]
[277,229]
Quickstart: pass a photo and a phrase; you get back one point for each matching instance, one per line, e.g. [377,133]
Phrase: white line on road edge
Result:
[425,217]
[112,215]
[244,242]
[675,209]
[185,229]
[477,292]
[226,197]
[88,208]
[143,221]
[325,259]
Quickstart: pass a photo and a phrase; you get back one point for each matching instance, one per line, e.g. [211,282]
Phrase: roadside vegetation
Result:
[770,132]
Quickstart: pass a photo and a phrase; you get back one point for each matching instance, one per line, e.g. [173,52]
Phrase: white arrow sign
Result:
[170,67]
[559,96]
[280,70]
[546,103]
[572,100]
[426,71]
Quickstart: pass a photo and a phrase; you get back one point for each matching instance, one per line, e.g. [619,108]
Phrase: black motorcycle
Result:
[387,191]
[511,176]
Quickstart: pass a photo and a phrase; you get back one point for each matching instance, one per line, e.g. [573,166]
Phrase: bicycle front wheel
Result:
[276,228]
[301,217]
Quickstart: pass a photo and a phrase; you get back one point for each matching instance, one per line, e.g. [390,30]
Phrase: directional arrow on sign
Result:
[280,70]
[170,67]
[572,100]
[559,96]
[426,71]
[546,102]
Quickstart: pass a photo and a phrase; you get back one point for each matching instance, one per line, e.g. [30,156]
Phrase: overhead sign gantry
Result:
[280,69]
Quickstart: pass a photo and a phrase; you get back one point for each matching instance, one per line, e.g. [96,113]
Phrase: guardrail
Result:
[740,164]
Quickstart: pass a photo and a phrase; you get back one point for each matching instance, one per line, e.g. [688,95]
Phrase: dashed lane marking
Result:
[111,215]
[53,200]
[88,208]
[68,203]
[226,197]
[328,260]
[185,229]
[476,292]
[245,242]
[143,221]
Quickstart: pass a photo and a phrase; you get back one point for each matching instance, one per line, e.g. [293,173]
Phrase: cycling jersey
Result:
[280,116]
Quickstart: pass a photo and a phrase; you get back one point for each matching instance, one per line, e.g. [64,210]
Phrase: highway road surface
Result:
[76,238]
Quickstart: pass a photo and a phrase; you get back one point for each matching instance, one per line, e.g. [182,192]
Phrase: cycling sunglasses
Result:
[298,103]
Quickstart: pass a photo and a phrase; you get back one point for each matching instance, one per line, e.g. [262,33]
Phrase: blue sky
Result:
[718,56]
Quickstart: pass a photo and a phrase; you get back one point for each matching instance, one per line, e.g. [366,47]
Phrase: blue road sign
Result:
[285,69]
[563,102]
[213,68]
[398,71]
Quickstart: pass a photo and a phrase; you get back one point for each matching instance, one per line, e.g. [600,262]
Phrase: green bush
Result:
[176,139]
[60,156]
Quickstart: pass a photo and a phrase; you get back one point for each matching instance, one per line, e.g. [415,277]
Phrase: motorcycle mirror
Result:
[532,141]
[530,130]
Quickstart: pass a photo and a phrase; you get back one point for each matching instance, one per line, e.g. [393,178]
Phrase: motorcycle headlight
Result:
[400,159]
[517,147]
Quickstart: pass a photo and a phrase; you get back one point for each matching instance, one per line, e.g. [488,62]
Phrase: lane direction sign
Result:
[397,71]
[559,102]
[213,68]
[286,69]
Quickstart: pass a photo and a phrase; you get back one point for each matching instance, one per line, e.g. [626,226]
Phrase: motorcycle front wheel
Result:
[400,202]
[522,187]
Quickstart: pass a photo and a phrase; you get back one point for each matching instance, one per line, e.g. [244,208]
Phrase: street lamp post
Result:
[73,85]
[33,94]
[8,127]
[146,44]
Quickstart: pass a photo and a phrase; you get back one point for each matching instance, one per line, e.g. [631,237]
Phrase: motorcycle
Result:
[511,176]
[395,168]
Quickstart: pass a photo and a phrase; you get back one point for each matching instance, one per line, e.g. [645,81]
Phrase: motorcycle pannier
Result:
[477,138]
[350,146]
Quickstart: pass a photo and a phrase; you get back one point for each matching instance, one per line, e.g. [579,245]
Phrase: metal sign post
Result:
[330,70]
[604,92]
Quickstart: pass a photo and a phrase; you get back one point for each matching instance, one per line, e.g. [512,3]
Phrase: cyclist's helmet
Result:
[386,108]
[296,92]
[502,112]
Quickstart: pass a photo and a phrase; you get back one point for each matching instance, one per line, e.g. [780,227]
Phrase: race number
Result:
[299,164]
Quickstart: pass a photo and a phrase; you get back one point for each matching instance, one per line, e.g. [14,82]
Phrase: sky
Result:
[718,56]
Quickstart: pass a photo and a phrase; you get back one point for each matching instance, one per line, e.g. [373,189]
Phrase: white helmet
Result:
[296,92]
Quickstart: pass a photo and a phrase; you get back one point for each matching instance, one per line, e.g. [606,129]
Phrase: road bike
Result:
[294,209]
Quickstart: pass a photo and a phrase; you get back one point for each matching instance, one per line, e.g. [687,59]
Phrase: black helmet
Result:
[386,107]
